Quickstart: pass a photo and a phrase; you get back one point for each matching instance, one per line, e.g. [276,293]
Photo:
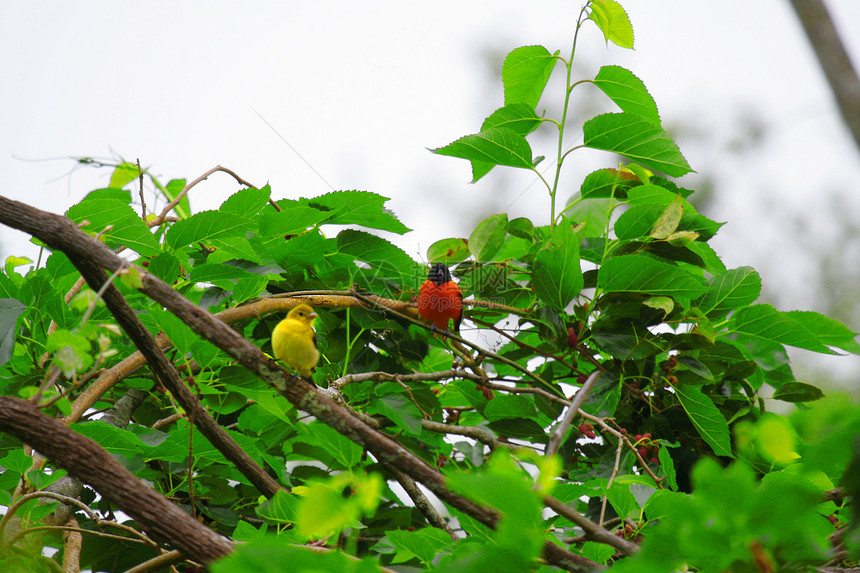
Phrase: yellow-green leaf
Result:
[612,20]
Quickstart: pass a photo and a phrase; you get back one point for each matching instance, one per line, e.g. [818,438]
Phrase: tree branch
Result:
[86,459]
[834,61]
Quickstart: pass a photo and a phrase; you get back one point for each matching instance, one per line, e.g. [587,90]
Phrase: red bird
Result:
[440,299]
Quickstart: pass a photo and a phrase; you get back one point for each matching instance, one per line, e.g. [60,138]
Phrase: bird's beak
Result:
[313,315]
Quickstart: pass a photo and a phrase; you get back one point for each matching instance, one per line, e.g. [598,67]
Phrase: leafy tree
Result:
[584,419]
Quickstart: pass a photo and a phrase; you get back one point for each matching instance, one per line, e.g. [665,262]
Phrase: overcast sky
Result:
[361,90]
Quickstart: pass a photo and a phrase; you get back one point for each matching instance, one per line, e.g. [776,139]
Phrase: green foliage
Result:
[621,280]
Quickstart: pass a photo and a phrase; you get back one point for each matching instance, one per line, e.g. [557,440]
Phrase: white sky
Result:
[361,90]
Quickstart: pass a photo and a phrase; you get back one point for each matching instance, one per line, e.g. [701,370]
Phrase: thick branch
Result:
[85,458]
[421,502]
[834,60]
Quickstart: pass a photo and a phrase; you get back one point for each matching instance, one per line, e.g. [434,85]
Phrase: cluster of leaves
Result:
[620,286]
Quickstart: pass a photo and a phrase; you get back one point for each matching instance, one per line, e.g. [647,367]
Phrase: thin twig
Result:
[176,200]
[157,563]
[142,202]
[592,530]
[522,344]
[572,410]
[36,528]
[614,473]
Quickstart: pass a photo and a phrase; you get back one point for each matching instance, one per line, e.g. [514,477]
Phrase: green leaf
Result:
[495,146]
[525,73]
[171,191]
[12,262]
[744,521]
[131,278]
[511,406]
[305,250]
[771,438]
[798,392]
[604,396]
[521,228]
[322,512]
[628,342]
[357,208]
[345,451]
[124,173]
[111,438]
[828,330]
[642,274]
[627,91]
[246,532]
[707,418]
[165,266]
[487,237]
[557,275]
[764,322]
[637,221]
[399,409]
[72,352]
[597,552]
[621,499]
[179,333]
[637,139]
[205,226]
[730,290]
[17,461]
[504,486]
[594,214]
[668,220]
[331,505]
[784,512]
[270,554]
[218,274]
[247,202]
[425,544]
[293,219]
[606,183]
[668,466]
[612,20]
[116,223]
[280,508]
[519,118]
[386,260]
[448,251]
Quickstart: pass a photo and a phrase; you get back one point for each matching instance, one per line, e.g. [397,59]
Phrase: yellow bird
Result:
[295,342]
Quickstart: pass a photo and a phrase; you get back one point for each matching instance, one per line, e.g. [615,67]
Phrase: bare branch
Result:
[572,410]
[834,60]
[421,502]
